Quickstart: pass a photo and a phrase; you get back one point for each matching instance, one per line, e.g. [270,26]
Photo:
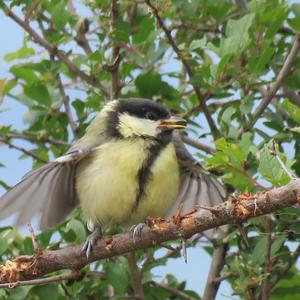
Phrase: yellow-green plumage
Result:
[107,183]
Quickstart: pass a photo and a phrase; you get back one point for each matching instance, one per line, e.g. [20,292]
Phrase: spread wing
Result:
[196,186]
[48,191]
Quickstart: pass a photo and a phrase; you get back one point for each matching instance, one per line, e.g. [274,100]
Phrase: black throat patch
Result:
[144,173]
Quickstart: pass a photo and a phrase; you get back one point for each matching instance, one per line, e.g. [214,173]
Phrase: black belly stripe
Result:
[144,173]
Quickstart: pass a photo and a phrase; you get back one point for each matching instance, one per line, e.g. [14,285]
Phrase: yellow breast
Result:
[107,183]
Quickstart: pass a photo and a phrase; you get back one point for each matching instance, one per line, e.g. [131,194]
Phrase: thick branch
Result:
[53,50]
[234,210]
[187,67]
[285,70]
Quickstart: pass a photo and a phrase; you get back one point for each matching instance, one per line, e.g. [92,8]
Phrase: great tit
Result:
[129,165]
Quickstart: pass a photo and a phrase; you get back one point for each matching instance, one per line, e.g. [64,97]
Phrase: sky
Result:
[194,271]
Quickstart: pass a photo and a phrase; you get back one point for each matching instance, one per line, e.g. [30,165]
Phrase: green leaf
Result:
[7,235]
[295,23]
[277,244]
[260,250]
[295,8]
[238,38]
[145,28]
[264,58]
[118,275]
[198,44]
[4,185]
[121,32]
[24,73]
[19,293]
[278,17]
[78,229]
[292,109]
[247,104]
[45,292]
[19,54]
[269,167]
[39,92]
[60,15]
[8,86]
[150,84]
[288,287]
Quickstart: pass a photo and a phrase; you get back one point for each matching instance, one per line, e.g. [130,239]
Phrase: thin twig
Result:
[285,70]
[268,259]
[173,291]
[23,150]
[81,38]
[283,271]
[136,276]
[66,102]
[188,68]
[41,281]
[283,166]
[31,9]
[53,50]
[35,244]
[291,95]
[116,58]
[35,139]
[196,144]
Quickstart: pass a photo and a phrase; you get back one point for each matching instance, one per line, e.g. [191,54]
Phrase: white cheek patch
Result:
[130,126]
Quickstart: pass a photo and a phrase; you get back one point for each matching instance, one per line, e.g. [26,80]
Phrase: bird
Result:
[129,165]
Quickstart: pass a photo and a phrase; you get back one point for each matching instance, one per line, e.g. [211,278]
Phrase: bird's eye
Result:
[150,115]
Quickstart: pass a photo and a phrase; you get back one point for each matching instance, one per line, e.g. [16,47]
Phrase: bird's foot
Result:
[136,230]
[91,239]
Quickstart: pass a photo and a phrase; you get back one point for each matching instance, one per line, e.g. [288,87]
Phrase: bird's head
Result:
[140,118]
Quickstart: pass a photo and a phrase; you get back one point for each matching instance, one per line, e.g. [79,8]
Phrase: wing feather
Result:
[196,186]
[48,191]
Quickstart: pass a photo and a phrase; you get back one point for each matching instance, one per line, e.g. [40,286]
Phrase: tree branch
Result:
[217,264]
[285,70]
[23,150]
[173,291]
[196,144]
[41,281]
[136,276]
[66,102]
[282,271]
[35,139]
[234,210]
[188,68]
[268,259]
[291,95]
[116,58]
[53,50]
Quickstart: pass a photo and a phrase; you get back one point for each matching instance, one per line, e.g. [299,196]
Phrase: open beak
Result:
[172,123]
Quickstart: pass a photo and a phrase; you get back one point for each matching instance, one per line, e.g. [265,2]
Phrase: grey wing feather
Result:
[196,186]
[48,191]
[43,191]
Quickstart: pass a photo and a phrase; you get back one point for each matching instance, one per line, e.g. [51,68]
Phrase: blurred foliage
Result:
[234,51]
